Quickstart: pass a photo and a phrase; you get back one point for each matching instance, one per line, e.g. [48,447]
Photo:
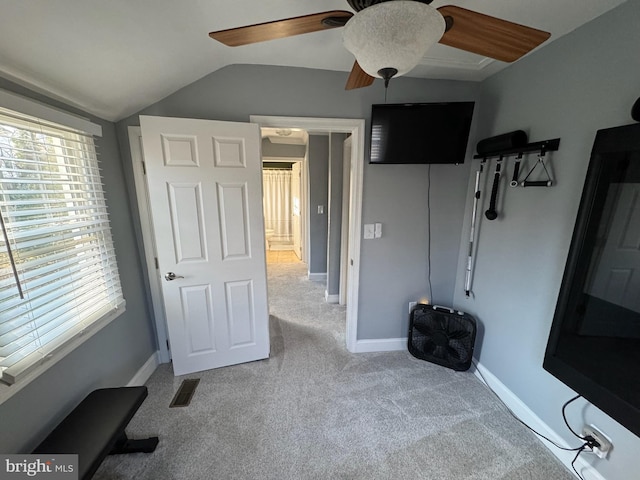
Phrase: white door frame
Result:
[148,241]
[355,127]
[344,232]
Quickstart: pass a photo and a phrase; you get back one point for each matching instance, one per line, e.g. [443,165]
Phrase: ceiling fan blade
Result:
[358,78]
[489,36]
[234,37]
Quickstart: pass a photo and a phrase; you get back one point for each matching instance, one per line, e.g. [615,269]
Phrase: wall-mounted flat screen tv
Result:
[594,344]
[420,132]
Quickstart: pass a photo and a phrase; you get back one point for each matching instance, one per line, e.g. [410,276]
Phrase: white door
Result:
[296,207]
[205,193]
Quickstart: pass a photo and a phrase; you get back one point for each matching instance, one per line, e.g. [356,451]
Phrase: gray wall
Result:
[113,355]
[270,149]
[335,212]
[578,84]
[318,167]
[394,269]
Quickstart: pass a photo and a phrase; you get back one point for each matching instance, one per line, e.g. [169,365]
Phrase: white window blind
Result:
[58,273]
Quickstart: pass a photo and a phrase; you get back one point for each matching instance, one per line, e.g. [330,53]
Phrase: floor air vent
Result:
[184,394]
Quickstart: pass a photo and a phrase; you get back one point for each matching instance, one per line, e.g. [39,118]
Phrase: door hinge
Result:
[157,265]
[168,344]
[144,168]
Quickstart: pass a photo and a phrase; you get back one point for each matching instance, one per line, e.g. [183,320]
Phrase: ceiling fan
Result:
[389,37]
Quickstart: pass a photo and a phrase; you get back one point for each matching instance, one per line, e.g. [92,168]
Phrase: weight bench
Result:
[95,429]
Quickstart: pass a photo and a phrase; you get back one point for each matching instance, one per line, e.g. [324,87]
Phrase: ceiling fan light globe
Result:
[394,34]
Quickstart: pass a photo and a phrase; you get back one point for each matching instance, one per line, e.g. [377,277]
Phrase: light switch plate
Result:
[369,231]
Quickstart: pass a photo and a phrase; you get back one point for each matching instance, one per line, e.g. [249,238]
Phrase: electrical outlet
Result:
[412,305]
[605,444]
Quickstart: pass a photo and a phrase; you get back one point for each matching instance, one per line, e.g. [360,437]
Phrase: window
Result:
[58,273]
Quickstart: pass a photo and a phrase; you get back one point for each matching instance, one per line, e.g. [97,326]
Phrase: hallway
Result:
[281,256]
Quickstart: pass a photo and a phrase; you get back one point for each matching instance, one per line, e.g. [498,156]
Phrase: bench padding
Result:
[96,428]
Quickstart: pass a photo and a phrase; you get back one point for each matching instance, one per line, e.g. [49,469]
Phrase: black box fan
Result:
[442,335]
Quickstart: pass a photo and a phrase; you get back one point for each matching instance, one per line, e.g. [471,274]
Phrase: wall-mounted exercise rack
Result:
[540,147]
[491,214]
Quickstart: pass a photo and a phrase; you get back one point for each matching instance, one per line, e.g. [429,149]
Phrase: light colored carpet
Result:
[315,411]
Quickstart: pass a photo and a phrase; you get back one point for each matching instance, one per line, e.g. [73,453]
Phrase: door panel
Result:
[179,150]
[204,180]
[189,239]
[196,306]
[234,221]
[240,299]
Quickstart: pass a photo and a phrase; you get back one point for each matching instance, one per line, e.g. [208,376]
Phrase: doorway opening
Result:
[283,160]
[350,223]
[282,211]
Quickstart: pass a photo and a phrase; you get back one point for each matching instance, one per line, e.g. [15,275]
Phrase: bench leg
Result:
[127,445]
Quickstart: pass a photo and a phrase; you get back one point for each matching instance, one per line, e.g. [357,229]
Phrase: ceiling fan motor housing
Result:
[358,5]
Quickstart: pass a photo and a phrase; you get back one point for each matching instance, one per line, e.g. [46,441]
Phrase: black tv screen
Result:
[594,343]
[420,132]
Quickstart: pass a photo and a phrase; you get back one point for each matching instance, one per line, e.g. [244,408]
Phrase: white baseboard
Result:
[143,374]
[524,413]
[381,345]
[318,277]
[331,298]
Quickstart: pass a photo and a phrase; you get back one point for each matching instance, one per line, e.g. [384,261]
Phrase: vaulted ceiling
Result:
[113,57]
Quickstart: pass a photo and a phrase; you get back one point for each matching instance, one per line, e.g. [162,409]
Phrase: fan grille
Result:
[442,337]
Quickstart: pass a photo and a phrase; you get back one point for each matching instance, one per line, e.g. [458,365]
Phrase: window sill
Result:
[8,391]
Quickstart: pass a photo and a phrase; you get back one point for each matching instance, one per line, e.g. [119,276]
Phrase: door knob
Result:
[171,276]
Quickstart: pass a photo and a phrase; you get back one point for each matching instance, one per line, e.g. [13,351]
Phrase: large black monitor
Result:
[420,132]
[594,344]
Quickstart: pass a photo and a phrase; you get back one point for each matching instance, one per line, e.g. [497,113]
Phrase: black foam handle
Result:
[506,141]
[537,183]
[491,213]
